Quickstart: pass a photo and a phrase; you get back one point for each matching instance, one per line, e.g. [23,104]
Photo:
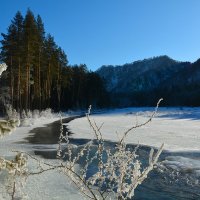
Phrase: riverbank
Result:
[177,128]
[17,139]
[49,185]
[177,177]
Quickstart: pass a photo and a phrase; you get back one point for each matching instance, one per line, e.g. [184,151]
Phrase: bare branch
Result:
[143,124]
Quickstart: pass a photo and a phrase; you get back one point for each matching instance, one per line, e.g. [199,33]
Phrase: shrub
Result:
[118,172]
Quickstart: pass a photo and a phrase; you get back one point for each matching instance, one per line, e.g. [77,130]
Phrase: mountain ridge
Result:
[129,83]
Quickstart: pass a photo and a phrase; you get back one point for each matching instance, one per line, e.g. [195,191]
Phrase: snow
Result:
[16,140]
[181,163]
[177,128]
[49,185]
[3,67]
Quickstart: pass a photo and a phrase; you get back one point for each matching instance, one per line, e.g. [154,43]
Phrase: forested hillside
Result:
[142,83]
[38,74]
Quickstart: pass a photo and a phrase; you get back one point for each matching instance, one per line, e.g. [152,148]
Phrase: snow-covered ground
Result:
[49,185]
[177,128]
[16,140]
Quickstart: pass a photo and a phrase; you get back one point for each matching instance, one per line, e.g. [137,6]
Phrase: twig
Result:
[142,124]
[13,191]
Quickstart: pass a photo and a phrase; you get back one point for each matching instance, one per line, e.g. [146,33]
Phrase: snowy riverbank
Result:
[178,128]
[16,140]
[48,185]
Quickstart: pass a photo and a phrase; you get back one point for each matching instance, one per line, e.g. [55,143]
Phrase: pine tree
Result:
[30,40]
[18,23]
[62,63]
[39,48]
[7,54]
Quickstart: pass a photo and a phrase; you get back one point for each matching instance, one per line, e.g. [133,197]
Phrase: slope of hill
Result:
[143,82]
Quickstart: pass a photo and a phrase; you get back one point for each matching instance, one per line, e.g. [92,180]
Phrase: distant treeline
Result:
[38,74]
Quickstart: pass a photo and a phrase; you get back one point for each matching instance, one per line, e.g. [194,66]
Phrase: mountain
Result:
[143,82]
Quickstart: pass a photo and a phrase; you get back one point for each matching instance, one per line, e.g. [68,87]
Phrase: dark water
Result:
[50,133]
[163,183]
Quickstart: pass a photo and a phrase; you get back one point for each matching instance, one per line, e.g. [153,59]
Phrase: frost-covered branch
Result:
[16,170]
[142,124]
[7,126]
[117,172]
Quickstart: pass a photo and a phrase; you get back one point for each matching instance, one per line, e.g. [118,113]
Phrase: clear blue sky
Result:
[102,32]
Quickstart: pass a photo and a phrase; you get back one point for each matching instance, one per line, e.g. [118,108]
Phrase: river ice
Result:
[178,128]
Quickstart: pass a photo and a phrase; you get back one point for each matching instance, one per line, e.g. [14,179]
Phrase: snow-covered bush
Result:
[4,91]
[117,171]
[3,67]
[17,167]
[46,113]
[12,113]
[29,118]
[25,121]
[16,172]
[36,114]
[7,126]
[29,114]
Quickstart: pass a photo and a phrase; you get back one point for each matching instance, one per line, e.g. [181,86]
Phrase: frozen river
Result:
[178,175]
[176,178]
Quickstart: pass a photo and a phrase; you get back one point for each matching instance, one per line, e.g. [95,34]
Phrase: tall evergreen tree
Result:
[18,23]
[49,53]
[8,51]
[30,41]
[39,49]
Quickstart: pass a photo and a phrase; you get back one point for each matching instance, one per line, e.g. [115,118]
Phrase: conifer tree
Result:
[39,49]
[18,23]
[30,40]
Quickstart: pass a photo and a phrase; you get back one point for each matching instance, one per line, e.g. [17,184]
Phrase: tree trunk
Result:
[39,81]
[19,87]
[27,93]
[11,80]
